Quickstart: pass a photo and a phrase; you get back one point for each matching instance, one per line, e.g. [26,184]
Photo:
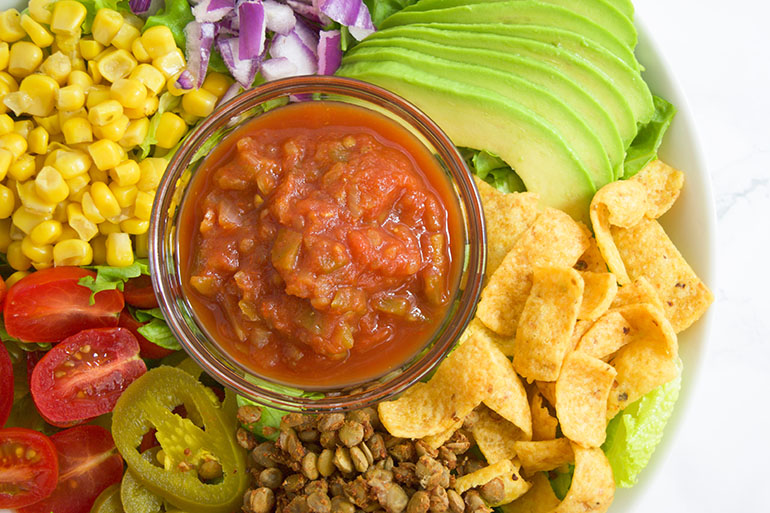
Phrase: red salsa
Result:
[321,244]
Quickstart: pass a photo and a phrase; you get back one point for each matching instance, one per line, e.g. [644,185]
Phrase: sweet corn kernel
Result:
[150,77]
[78,186]
[66,231]
[5,54]
[90,48]
[126,173]
[151,105]
[23,127]
[105,201]
[46,232]
[93,71]
[113,131]
[57,66]
[125,196]
[72,252]
[9,81]
[36,32]
[10,26]
[85,229]
[107,23]
[125,37]
[171,129]
[65,116]
[171,63]
[6,124]
[22,168]
[158,41]
[14,143]
[143,205]
[129,92]
[36,252]
[68,44]
[18,101]
[50,185]
[71,163]
[14,278]
[71,97]
[119,250]
[40,10]
[188,118]
[96,95]
[60,212]
[82,79]
[134,226]
[217,83]
[139,51]
[32,201]
[106,154]
[142,245]
[107,228]
[42,89]
[77,130]
[6,159]
[16,258]
[25,220]
[5,234]
[173,87]
[24,58]
[90,210]
[37,141]
[135,133]
[78,64]
[67,16]
[105,113]
[117,64]
[152,171]
[7,202]
[97,175]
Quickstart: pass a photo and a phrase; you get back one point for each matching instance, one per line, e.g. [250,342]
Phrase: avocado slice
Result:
[518,12]
[578,134]
[535,71]
[476,118]
[601,12]
[556,44]
[624,6]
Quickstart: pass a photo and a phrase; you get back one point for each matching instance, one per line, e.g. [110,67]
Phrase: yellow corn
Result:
[66,231]
[10,26]
[16,258]
[32,201]
[22,168]
[85,229]
[23,127]
[50,123]
[40,10]
[107,23]
[7,80]
[14,143]
[36,252]
[116,65]
[113,131]
[15,277]
[78,186]
[72,252]
[60,212]
[50,185]
[71,163]
[125,37]
[97,175]
[36,32]
[125,196]
[107,228]
[158,41]
[119,250]
[38,140]
[96,95]
[93,71]
[18,101]
[90,48]
[171,129]
[135,133]
[71,97]
[80,79]
[78,64]
[126,173]
[6,159]
[42,90]
[106,154]
[46,232]
[25,220]
[143,205]
[6,124]
[5,54]
[152,170]
[151,105]
[188,118]
[134,226]
[65,116]
[67,16]
[171,63]
[217,83]
[7,202]
[172,88]
[5,235]
[77,130]
[142,245]
[129,92]
[90,210]
[105,201]
[150,77]
[57,66]
[139,51]
[24,58]
[105,113]
[98,245]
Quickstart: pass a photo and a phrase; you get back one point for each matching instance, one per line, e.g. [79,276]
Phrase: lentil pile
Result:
[348,463]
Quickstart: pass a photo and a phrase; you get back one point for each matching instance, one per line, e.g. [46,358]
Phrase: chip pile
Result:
[571,328]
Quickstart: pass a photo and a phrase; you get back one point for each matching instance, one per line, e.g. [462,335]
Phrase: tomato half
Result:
[28,467]
[49,305]
[3,292]
[6,384]
[139,293]
[84,375]
[147,349]
[88,464]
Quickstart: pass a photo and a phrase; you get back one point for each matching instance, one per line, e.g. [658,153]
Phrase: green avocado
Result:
[555,44]
[601,12]
[624,6]
[476,117]
[519,12]
[511,88]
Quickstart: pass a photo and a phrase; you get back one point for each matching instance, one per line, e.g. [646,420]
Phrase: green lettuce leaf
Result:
[634,433]
[381,9]
[156,330]
[644,148]
[561,482]
[167,101]
[271,417]
[493,170]
[92,6]
[112,278]
[175,15]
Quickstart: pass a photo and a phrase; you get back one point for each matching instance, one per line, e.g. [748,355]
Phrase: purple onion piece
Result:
[200,38]
[251,14]
[307,9]
[212,10]
[292,47]
[243,70]
[233,91]
[329,52]
[139,6]
[185,80]
[279,18]
[351,13]
[277,68]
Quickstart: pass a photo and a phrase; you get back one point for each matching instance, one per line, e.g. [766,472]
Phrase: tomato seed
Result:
[85,349]
[59,374]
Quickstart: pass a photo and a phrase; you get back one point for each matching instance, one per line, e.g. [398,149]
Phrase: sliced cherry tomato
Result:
[29,467]
[88,464]
[139,292]
[3,292]
[84,375]
[49,306]
[6,384]
[147,348]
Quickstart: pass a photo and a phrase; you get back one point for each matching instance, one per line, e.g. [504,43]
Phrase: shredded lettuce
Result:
[112,278]
[634,433]
[561,482]
[267,426]
[381,9]
[92,6]
[156,330]
[167,101]
[175,15]
[493,170]
[644,148]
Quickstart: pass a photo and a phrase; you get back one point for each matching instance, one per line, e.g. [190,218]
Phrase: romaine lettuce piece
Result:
[644,147]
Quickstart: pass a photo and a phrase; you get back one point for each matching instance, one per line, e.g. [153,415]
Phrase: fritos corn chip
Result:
[592,259]
[436,441]
[504,343]
[508,397]
[593,487]
[548,390]
[663,184]
[543,423]
[545,328]
[608,334]
[581,398]
[495,436]
[515,486]
[638,291]
[544,454]
[553,239]
[598,293]
[538,499]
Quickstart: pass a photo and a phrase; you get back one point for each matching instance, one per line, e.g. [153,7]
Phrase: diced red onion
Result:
[233,91]
[185,80]
[308,9]
[243,70]
[329,52]
[292,47]
[309,36]
[251,14]
[279,17]
[351,13]
[212,10]
[139,6]
[200,38]
[278,67]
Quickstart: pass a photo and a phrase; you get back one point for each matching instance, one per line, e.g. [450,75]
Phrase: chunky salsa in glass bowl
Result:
[318,243]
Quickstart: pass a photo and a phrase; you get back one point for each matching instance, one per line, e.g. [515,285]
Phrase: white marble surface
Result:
[718,53]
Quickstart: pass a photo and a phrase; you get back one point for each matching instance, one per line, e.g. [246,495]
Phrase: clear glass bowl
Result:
[164,253]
